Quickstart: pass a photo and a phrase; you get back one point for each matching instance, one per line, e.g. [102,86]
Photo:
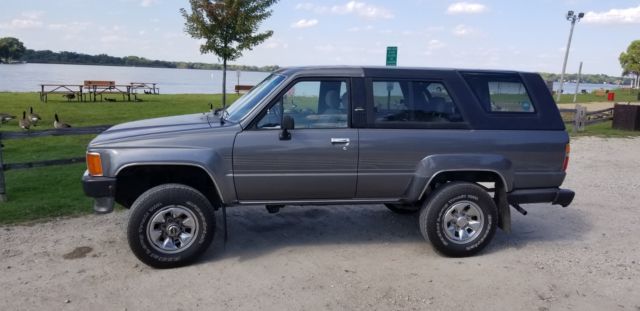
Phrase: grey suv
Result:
[458,147]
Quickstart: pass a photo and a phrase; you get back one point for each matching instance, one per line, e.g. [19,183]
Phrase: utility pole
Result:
[573,18]
[575,95]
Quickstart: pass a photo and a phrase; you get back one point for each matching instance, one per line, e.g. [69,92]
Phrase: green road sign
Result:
[392,55]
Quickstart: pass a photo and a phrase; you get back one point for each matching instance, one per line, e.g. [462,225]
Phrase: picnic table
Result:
[90,90]
[148,87]
[71,91]
[97,88]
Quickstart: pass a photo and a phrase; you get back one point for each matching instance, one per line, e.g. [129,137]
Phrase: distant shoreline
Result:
[73,58]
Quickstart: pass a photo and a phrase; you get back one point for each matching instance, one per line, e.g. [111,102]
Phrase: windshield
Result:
[244,104]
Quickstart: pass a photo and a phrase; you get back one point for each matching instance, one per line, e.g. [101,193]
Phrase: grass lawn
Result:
[603,130]
[42,193]
[622,96]
[56,190]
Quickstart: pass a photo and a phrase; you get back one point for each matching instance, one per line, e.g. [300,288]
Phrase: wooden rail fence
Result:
[42,133]
[580,117]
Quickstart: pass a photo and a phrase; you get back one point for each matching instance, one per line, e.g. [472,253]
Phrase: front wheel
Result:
[459,219]
[170,225]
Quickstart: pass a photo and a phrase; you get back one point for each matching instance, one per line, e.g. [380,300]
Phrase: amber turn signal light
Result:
[94,164]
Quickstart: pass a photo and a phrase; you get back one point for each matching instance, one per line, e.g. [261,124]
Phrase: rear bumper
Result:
[556,196]
[102,189]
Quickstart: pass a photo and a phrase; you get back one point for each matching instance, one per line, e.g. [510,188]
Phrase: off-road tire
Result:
[154,200]
[444,200]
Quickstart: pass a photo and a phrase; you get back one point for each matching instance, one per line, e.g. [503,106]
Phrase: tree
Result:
[228,28]
[630,62]
[11,49]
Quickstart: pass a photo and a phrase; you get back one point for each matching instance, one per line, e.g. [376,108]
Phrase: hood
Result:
[164,125]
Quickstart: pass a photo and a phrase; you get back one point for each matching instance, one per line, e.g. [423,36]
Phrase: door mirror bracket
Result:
[287,124]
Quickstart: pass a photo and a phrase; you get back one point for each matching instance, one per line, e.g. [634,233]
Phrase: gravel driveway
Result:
[584,257]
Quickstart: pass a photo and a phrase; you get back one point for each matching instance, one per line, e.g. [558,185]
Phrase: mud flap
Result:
[504,212]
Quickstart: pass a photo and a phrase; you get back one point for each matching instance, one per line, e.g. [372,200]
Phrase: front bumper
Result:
[102,189]
[556,196]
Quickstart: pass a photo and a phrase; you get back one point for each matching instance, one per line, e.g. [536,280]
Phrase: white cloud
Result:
[305,23]
[74,27]
[463,30]
[358,8]
[363,10]
[466,8]
[28,20]
[306,6]
[147,3]
[18,23]
[614,16]
[32,14]
[276,44]
[433,45]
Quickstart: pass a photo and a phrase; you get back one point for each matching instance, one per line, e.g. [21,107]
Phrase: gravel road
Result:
[584,257]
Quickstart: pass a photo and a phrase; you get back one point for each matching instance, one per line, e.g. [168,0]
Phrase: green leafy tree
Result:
[11,49]
[630,62]
[228,27]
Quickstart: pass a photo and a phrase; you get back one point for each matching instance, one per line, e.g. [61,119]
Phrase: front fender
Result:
[204,158]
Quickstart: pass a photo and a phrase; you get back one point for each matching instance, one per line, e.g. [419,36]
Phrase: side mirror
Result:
[287,124]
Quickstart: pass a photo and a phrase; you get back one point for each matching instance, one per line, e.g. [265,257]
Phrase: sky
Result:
[483,34]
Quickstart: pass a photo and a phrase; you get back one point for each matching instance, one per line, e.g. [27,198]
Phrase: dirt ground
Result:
[584,257]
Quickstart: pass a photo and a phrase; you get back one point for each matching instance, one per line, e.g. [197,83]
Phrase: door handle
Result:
[340,141]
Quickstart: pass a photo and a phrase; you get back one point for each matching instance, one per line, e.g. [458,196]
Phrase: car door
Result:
[318,160]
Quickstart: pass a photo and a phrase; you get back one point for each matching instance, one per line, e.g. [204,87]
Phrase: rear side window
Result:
[403,103]
[500,92]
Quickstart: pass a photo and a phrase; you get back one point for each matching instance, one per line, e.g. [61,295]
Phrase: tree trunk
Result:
[224,83]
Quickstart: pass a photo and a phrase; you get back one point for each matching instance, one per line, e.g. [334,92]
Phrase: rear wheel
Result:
[170,226]
[459,219]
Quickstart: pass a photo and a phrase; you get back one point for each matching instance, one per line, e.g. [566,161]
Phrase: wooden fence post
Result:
[580,118]
[3,191]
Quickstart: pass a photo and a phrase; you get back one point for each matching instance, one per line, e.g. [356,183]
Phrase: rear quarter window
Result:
[500,93]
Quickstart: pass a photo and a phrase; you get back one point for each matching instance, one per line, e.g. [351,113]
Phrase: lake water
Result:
[28,77]
[570,87]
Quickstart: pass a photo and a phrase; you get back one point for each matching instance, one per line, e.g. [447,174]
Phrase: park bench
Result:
[100,87]
[243,88]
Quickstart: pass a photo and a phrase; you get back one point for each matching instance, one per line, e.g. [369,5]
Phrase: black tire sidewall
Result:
[157,198]
[434,210]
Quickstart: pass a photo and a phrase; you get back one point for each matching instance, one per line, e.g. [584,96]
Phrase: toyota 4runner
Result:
[458,147]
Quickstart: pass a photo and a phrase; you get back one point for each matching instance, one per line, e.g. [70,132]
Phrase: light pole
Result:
[573,18]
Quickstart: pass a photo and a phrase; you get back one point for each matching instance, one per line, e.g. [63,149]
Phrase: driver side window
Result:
[311,104]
